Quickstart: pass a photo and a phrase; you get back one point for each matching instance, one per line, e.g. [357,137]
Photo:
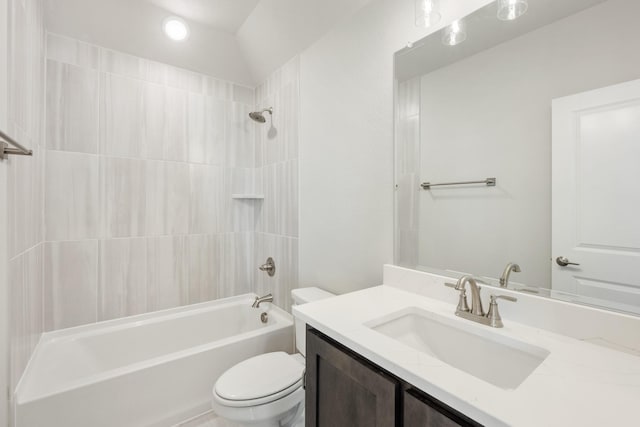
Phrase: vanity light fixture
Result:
[175,28]
[454,34]
[427,13]
[508,10]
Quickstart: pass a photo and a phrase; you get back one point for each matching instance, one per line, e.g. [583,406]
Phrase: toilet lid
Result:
[260,376]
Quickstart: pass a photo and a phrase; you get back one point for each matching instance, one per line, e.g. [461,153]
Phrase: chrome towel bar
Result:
[489,182]
[5,151]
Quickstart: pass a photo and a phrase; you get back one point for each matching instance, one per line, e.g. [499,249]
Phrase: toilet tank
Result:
[303,296]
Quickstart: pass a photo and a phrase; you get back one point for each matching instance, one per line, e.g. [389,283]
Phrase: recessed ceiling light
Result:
[175,28]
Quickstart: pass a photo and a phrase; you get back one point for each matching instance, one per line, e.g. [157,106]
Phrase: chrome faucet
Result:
[476,314]
[504,279]
[476,302]
[260,300]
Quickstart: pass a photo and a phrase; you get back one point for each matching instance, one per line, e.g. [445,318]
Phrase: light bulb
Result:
[454,34]
[508,10]
[427,13]
[175,28]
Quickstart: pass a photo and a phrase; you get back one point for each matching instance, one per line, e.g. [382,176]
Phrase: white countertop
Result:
[578,384]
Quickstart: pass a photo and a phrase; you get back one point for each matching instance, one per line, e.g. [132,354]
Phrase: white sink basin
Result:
[475,349]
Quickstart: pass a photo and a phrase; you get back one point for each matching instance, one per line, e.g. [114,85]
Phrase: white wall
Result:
[277,30]
[346,144]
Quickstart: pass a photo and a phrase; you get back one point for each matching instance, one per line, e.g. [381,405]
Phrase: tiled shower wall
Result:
[126,206]
[141,162]
[407,172]
[25,181]
[276,161]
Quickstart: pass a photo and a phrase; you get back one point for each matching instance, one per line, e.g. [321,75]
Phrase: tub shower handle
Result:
[269,267]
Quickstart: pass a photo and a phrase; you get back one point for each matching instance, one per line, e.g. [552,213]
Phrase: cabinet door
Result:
[344,390]
[421,410]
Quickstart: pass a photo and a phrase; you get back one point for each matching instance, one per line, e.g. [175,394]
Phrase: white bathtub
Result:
[154,369]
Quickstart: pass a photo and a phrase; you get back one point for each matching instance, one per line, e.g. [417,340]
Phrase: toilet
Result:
[267,390]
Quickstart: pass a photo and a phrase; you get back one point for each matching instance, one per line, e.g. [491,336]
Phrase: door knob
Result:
[563,261]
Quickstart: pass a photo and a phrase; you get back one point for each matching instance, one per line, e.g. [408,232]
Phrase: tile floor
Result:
[208,419]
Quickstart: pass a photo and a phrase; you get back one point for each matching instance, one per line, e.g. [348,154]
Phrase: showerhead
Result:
[258,116]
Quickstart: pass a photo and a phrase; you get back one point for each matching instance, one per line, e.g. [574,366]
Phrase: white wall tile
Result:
[20,66]
[72,51]
[123,64]
[33,294]
[243,95]
[71,196]
[27,199]
[121,116]
[70,283]
[206,129]
[240,135]
[167,198]
[165,125]
[210,199]
[123,183]
[205,267]
[237,267]
[72,108]
[176,147]
[154,110]
[218,89]
[167,272]
[289,120]
[156,73]
[122,284]
[18,329]
[180,78]
[267,220]
[287,210]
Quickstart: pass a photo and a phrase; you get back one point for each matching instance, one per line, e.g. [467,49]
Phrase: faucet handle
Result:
[504,297]
[462,301]
[494,315]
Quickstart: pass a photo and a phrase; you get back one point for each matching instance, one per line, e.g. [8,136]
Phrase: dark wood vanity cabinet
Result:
[345,390]
[420,409]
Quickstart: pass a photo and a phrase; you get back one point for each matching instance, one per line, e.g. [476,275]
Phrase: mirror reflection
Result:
[548,105]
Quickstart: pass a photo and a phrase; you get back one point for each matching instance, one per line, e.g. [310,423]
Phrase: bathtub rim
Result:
[22,397]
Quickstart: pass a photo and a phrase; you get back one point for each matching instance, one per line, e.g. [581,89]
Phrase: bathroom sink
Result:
[476,350]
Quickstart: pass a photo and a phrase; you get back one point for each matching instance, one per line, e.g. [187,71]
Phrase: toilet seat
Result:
[259,380]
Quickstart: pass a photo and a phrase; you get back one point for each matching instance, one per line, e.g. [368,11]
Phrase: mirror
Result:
[548,105]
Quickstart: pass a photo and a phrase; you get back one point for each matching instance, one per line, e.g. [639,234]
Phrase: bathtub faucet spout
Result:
[260,300]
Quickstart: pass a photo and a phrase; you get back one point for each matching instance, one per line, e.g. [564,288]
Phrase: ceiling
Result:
[225,15]
[238,40]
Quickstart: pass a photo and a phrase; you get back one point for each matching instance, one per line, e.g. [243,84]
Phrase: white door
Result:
[596,195]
